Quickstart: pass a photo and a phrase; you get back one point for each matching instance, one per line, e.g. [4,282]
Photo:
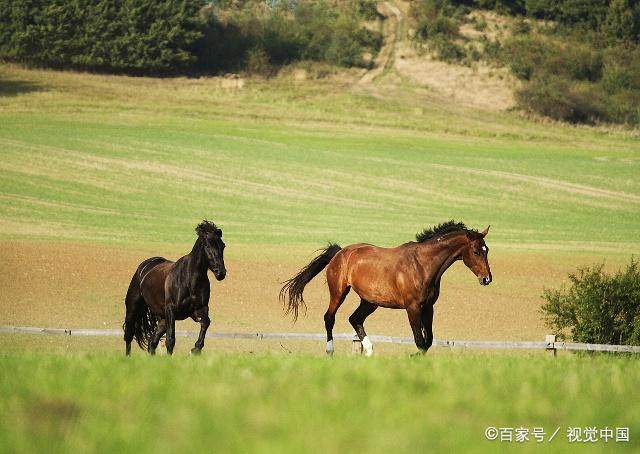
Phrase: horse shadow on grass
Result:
[12,87]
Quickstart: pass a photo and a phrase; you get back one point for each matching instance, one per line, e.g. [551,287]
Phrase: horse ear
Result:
[485,231]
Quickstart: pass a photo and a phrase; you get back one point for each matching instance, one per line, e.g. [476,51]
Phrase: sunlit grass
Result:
[293,403]
[136,160]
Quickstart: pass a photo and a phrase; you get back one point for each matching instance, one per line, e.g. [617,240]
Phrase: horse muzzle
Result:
[219,274]
[485,280]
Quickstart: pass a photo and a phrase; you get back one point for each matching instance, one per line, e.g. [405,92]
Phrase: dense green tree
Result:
[623,21]
[122,35]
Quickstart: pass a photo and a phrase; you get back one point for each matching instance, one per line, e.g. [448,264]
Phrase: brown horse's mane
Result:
[443,229]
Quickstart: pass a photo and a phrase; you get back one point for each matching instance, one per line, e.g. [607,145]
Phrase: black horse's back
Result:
[148,265]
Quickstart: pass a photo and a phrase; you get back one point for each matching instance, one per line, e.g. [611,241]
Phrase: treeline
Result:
[578,60]
[184,36]
[110,35]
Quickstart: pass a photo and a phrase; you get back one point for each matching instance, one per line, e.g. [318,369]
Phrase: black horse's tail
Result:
[139,322]
[291,292]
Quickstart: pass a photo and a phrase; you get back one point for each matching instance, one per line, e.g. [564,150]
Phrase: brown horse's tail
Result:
[139,322]
[291,292]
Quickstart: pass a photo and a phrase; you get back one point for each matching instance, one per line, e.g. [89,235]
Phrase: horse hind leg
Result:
[155,340]
[134,303]
[338,294]
[357,321]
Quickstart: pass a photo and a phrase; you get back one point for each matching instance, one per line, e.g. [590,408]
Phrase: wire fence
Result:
[550,343]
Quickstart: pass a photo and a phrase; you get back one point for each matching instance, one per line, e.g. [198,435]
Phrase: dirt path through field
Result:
[392,30]
[480,85]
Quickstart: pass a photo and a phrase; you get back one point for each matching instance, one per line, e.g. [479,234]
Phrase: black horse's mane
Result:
[207,227]
[442,229]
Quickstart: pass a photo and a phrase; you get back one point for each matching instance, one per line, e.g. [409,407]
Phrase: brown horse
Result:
[162,291]
[405,277]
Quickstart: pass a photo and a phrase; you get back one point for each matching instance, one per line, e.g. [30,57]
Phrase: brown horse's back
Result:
[376,274]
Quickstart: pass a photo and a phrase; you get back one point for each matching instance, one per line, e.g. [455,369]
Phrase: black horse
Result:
[162,291]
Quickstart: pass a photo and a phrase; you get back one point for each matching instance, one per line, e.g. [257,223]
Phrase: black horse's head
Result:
[211,237]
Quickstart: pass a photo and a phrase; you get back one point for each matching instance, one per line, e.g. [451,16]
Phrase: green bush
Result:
[543,9]
[258,62]
[521,27]
[525,55]
[501,6]
[597,307]
[530,56]
[437,24]
[367,9]
[235,34]
[137,36]
[435,18]
[621,69]
[591,13]
[588,12]
[562,99]
[623,21]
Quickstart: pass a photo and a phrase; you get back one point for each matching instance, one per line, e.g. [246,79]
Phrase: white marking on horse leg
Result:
[330,347]
[367,346]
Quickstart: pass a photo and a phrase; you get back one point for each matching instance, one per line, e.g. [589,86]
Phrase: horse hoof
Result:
[195,351]
[367,346]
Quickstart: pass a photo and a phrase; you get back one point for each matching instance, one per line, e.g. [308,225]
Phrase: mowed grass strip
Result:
[129,160]
[303,403]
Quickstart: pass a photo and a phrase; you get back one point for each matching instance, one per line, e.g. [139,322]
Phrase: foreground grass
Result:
[294,403]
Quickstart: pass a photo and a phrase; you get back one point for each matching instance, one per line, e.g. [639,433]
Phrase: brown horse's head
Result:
[475,256]
[211,237]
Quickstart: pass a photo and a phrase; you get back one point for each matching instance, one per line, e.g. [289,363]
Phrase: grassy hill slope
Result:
[116,159]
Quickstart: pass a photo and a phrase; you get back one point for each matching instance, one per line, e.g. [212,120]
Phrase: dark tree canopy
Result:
[111,35]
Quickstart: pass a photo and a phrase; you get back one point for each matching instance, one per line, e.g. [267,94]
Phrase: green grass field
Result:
[274,402]
[116,159]
[99,172]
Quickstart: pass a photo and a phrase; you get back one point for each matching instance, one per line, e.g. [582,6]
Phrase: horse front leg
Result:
[427,323]
[415,320]
[170,340]
[205,321]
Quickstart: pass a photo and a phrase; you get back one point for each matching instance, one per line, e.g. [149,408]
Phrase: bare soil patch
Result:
[480,86]
[83,285]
